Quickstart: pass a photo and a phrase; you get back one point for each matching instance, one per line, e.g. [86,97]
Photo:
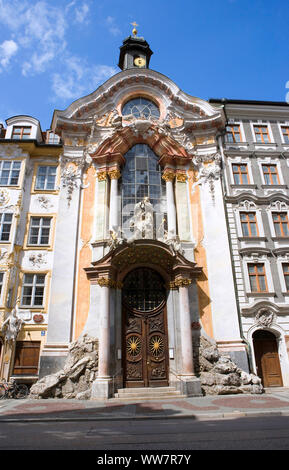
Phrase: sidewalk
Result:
[273,402]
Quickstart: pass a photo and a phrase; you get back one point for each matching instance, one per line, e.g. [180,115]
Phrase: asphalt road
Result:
[248,433]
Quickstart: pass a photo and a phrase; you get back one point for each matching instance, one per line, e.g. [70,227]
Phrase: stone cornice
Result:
[257,199]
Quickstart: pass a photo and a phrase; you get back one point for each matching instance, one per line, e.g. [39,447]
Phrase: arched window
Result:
[141,108]
[141,177]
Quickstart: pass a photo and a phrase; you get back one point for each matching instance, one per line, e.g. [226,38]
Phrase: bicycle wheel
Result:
[3,391]
[21,391]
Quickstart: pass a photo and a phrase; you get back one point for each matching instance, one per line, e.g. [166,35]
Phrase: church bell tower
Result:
[135,52]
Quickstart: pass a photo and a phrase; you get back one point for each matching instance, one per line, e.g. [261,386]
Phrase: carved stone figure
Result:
[264,317]
[115,238]
[142,221]
[173,241]
[12,325]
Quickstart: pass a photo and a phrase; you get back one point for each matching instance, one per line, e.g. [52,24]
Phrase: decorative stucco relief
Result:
[207,173]
[37,259]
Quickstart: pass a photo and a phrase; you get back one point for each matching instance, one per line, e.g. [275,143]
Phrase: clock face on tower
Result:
[139,61]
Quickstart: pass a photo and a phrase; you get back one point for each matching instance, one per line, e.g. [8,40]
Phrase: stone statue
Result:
[142,221]
[12,325]
[115,238]
[174,242]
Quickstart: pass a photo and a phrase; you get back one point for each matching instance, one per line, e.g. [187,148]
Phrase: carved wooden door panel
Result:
[145,348]
[267,360]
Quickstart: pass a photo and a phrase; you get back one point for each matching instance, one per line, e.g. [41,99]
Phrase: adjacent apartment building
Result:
[146,217]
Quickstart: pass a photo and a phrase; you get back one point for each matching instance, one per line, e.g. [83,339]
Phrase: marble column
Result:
[113,200]
[104,336]
[102,386]
[169,176]
[188,384]
[186,329]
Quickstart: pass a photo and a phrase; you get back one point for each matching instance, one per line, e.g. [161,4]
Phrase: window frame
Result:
[280,223]
[248,223]
[257,275]
[40,227]
[36,175]
[232,132]
[240,173]
[22,128]
[34,285]
[149,100]
[285,276]
[284,126]
[10,175]
[259,126]
[2,222]
[270,174]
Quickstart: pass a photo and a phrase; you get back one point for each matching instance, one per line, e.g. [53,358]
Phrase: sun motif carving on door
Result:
[144,329]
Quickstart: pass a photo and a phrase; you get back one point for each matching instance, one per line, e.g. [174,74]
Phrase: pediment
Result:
[184,111]
[151,253]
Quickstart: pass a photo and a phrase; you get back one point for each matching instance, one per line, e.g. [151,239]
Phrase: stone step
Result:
[146,393]
[146,390]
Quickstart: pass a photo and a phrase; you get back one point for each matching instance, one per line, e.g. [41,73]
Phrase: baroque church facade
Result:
[145,218]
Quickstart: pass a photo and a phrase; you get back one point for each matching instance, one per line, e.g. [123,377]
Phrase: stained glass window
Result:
[141,108]
[141,177]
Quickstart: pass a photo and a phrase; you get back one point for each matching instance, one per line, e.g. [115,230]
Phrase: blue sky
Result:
[55,51]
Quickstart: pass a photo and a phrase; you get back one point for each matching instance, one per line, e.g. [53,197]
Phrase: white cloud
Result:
[81,13]
[39,29]
[39,33]
[7,50]
[78,78]
[112,27]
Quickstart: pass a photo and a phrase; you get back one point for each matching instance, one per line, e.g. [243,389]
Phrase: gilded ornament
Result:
[107,282]
[102,175]
[182,282]
[114,174]
[181,177]
[168,175]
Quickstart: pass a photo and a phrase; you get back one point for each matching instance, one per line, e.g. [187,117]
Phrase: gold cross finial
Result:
[134,31]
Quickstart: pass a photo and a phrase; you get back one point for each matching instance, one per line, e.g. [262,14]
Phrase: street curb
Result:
[200,417]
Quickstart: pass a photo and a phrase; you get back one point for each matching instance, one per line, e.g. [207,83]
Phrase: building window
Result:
[249,224]
[9,172]
[240,173]
[234,134]
[280,220]
[33,290]
[46,177]
[5,226]
[285,133]
[39,230]
[262,134]
[141,177]
[285,267]
[270,173]
[1,282]
[26,358]
[141,108]
[52,138]
[257,277]
[21,132]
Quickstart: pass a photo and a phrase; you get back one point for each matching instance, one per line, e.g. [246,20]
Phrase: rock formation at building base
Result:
[219,375]
[76,378]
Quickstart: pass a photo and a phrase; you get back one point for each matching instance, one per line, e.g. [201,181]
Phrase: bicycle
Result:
[13,390]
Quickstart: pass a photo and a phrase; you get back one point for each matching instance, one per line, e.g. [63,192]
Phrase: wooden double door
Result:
[145,343]
[267,358]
